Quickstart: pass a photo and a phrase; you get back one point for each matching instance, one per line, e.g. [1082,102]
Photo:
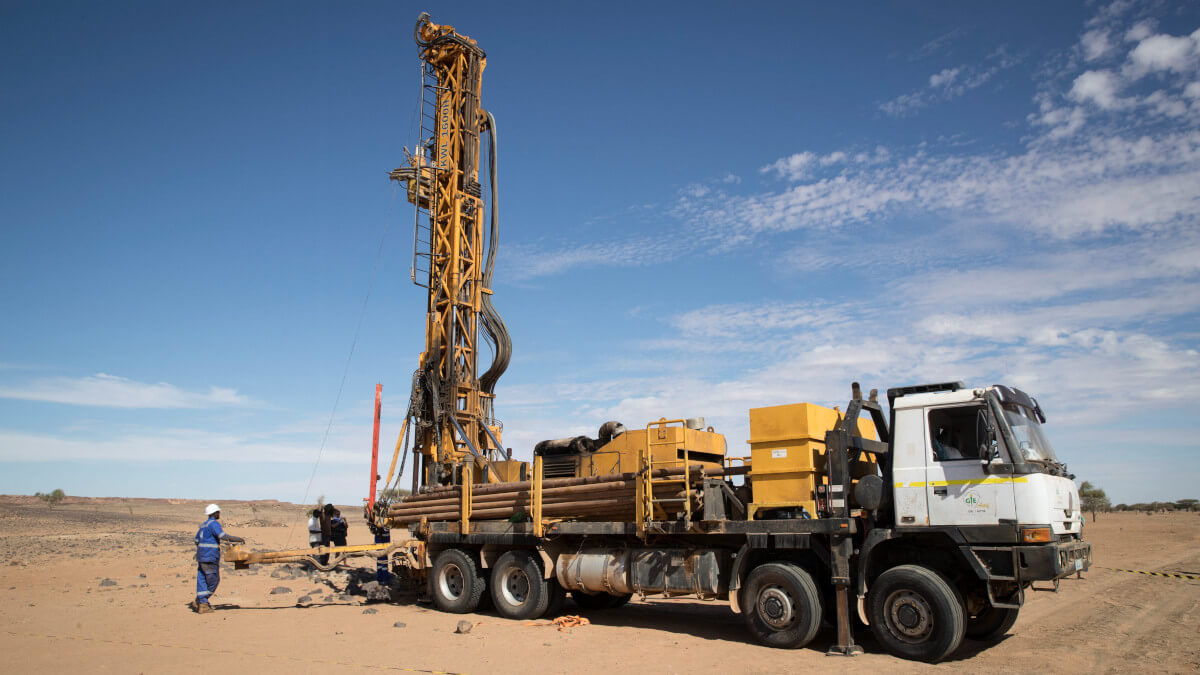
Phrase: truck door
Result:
[959,491]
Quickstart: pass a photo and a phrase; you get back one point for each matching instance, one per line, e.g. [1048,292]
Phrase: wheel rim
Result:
[514,586]
[450,582]
[776,607]
[909,617]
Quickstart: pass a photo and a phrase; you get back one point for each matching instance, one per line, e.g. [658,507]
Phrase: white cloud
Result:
[949,83]
[945,78]
[1140,31]
[1098,87]
[110,391]
[1096,44]
[792,166]
[1164,53]
[159,445]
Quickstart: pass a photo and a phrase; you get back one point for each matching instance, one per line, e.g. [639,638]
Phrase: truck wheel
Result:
[781,605]
[598,601]
[455,582]
[915,613]
[558,598]
[519,590]
[991,624]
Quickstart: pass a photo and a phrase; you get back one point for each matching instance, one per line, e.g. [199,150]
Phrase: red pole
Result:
[375,447]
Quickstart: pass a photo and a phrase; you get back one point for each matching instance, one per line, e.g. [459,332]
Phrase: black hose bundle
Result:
[493,326]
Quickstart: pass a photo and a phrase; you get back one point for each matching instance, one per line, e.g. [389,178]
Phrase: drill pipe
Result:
[507,497]
[550,483]
[503,511]
[508,500]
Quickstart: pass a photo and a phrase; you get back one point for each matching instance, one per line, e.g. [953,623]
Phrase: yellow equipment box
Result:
[787,454]
[666,445]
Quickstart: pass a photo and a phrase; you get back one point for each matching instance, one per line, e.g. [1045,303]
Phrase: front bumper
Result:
[1045,562]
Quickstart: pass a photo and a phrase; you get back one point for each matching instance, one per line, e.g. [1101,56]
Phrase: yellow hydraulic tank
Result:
[787,454]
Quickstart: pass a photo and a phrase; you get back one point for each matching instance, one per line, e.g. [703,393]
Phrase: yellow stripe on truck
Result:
[969,481]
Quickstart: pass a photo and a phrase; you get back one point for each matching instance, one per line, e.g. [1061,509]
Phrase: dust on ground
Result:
[103,586]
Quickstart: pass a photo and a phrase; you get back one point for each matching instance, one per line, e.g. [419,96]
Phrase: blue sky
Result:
[705,208]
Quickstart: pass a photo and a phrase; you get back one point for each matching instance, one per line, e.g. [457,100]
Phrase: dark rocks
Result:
[375,592]
[304,600]
[399,624]
[464,627]
[279,590]
[370,610]
[108,582]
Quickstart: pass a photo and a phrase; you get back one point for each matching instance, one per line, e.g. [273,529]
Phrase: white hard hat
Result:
[211,509]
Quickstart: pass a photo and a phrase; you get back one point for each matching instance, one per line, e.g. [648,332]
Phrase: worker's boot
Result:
[204,608]
[193,606]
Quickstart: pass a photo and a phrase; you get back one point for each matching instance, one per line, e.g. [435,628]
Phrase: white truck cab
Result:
[978,457]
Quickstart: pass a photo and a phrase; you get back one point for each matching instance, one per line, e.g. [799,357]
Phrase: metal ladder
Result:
[422,262]
[646,499]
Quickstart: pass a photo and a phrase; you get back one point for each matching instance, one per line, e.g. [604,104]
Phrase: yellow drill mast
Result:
[450,415]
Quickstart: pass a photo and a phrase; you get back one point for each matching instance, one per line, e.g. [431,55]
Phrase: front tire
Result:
[455,582]
[916,614]
[991,624]
[781,605]
[519,589]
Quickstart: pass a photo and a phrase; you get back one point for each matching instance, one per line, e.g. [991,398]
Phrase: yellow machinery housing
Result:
[667,446]
[787,455]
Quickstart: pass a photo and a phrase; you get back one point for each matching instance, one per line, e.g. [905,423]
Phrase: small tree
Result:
[1092,499]
[1187,504]
[51,498]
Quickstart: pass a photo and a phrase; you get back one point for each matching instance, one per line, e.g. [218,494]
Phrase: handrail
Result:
[537,496]
[645,510]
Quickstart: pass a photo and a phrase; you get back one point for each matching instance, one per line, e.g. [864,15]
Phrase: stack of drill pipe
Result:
[594,497]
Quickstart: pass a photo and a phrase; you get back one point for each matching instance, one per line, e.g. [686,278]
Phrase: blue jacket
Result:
[208,541]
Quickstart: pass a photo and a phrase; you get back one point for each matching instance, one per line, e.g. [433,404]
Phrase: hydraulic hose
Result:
[493,326]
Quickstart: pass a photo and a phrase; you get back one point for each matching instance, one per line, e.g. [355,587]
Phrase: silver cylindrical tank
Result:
[702,572]
[595,571]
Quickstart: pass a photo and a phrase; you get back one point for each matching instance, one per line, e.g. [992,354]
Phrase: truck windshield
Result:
[1032,441]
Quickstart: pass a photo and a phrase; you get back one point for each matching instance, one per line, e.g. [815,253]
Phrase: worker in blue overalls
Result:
[208,557]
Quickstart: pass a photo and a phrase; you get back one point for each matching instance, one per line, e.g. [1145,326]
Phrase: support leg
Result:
[842,549]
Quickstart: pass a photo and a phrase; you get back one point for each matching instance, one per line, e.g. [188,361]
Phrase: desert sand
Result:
[103,586]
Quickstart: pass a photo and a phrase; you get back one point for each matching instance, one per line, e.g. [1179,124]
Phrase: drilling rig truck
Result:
[927,520]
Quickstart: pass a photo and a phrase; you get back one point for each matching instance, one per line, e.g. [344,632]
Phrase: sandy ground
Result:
[103,587]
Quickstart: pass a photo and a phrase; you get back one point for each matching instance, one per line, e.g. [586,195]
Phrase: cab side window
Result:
[953,434]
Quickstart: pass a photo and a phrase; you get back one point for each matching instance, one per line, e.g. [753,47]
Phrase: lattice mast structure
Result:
[451,415]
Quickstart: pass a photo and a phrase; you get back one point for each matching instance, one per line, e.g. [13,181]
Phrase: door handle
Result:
[940,491]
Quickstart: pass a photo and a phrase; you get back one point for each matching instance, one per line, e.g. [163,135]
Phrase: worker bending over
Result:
[208,557]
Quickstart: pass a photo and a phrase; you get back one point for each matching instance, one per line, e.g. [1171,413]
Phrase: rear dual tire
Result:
[519,587]
[456,582]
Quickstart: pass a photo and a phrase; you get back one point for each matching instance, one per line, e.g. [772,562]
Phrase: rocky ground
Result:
[103,586]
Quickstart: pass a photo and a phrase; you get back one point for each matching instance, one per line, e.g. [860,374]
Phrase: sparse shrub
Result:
[51,498]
